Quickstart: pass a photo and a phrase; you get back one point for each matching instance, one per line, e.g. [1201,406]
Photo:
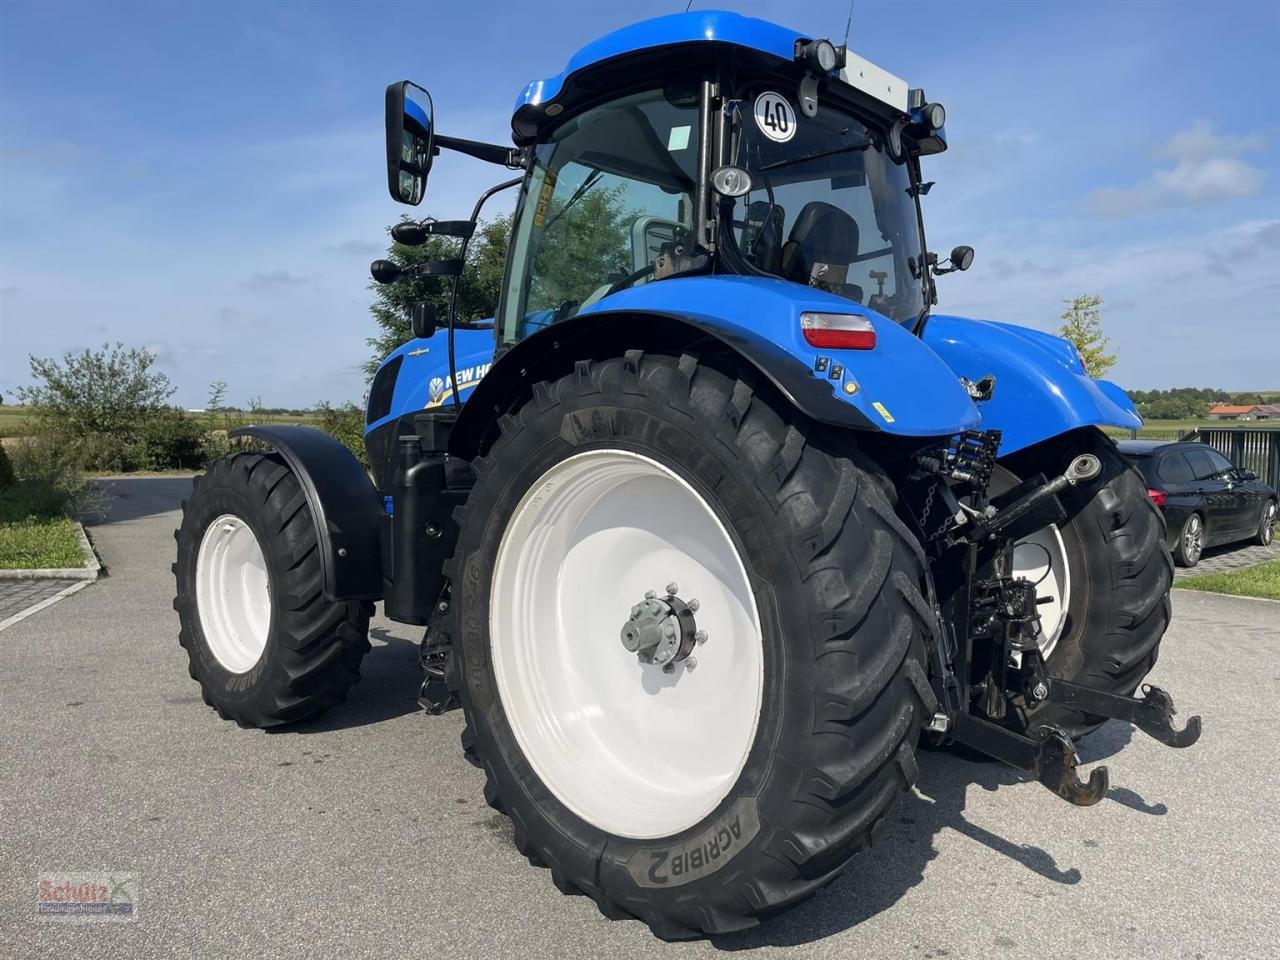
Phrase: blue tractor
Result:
[716,522]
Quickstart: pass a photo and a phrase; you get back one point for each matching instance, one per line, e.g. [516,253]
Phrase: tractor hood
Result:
[1041,385]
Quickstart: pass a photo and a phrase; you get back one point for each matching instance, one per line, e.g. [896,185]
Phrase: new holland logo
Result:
[439,390]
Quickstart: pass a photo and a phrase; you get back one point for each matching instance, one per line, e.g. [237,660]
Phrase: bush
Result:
[166,439]
[7,479]
[346,423]
[48,481]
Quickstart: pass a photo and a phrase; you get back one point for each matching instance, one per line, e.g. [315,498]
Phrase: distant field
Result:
[16,421]
[1173,429]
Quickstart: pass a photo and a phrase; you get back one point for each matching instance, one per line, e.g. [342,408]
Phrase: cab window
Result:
[611,188]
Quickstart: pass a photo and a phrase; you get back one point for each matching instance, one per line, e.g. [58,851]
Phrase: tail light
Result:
[1158,497]
[837,331]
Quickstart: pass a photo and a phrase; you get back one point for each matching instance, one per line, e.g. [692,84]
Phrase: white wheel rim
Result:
[1042,559]
[233,593]
[633,750]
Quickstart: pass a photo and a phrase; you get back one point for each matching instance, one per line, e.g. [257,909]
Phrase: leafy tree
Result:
[583,246]
[477,293]
[96,392]
[1082,325]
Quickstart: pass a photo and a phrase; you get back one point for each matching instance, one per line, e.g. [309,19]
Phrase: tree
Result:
[1082,325]
[96,392]
[477,293]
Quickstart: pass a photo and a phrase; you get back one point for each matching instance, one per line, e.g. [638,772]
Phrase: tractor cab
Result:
[704,144]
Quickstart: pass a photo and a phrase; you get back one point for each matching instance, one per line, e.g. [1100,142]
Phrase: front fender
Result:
[1042,388]
[345,508]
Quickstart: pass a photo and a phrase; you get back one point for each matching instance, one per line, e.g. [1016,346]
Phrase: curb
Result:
[91,570]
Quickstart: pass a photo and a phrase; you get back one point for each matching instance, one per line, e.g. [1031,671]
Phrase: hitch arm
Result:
[1051,760]
[1152,714]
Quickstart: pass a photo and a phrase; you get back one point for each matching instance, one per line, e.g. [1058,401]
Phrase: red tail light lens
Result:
[837,331]
[1158,497]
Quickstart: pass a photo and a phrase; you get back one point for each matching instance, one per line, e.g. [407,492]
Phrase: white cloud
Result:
[1207,168]
[1182,310]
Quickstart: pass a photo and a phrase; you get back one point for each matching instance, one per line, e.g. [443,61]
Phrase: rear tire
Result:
[1121,575]
[834,575]
[261,640]
[1267,525]
[1190,545]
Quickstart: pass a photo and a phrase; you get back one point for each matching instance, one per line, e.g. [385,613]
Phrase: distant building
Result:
[1229,411]
[1251,411]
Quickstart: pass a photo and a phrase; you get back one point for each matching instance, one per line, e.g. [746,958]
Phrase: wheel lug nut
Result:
[700,636]
[669,668]
[690,663]
[693,606]
[673,588]
[651,594]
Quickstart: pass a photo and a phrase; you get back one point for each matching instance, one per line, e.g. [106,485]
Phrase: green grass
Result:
[1259,580]
[40,543]
[34,529]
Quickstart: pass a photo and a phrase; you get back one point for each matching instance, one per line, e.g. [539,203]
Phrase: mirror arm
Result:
[512,157]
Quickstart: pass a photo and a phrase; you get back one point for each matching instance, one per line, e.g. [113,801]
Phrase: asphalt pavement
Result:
[363,833]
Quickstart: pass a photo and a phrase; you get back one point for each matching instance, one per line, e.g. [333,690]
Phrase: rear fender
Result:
[1041,386]
[345,507]
[900,387]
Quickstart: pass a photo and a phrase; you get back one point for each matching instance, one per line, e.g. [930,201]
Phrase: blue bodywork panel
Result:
[698,26]
[906,385]
[903,387]
[1042,388]
[423,381]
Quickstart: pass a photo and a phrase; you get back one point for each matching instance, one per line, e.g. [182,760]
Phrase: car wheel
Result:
[1190,542]
[1267,525]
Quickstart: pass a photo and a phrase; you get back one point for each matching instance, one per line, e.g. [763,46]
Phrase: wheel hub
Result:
[662,630]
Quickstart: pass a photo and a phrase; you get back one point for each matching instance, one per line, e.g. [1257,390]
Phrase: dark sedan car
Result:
[1206,499]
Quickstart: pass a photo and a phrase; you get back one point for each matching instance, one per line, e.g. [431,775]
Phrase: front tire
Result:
[810,689]
[262,641]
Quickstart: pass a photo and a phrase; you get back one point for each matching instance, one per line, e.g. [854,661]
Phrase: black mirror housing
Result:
[422,319]
[410,123]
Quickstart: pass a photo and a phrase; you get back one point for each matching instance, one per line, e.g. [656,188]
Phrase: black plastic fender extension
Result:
[345,507]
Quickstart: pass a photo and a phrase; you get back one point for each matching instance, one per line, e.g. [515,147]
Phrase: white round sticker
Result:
[774,117]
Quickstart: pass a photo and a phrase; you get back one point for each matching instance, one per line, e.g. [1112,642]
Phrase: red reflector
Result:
[837,331]
[1158,497]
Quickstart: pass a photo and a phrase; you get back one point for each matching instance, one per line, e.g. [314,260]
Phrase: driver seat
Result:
[822,243]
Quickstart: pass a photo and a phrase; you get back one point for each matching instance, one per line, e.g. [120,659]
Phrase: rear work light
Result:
[838,331]
[1158,497]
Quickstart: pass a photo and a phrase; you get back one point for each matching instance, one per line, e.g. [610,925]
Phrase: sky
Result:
[207,180]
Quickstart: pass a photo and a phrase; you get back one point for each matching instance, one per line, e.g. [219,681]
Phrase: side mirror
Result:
[410,141]
[422,319]
[1248,474]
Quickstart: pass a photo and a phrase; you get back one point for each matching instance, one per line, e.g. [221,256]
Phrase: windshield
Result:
[827,207]
[606,196]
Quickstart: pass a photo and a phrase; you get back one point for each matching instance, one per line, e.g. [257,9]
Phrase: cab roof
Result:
[715,27]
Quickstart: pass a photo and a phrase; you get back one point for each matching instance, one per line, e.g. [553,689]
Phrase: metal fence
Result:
[1255,448]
